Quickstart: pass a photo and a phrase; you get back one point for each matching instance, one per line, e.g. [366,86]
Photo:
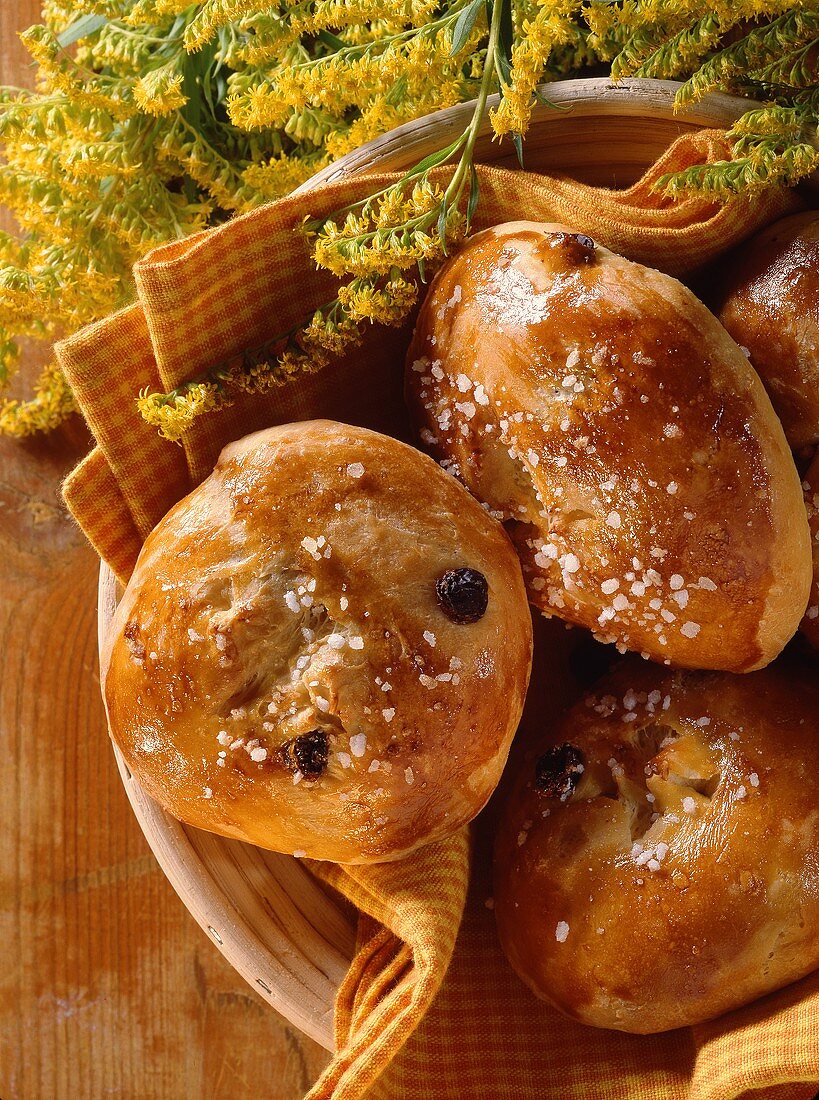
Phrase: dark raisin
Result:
[558,771]
[308,753]
[576,247]
[463,594]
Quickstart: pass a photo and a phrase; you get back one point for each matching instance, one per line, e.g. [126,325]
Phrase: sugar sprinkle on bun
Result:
[602,412]
[281,668]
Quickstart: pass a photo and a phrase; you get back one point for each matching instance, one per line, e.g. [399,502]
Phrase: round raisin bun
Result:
[769,302]
[603,413]
[658,861]
[323,649]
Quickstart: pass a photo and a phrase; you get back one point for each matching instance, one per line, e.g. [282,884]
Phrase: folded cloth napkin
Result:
[402,1030]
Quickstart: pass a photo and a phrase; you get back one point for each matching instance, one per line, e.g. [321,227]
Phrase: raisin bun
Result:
[323,649]
[810,623]
[658,864]
[602,412]
[769,302]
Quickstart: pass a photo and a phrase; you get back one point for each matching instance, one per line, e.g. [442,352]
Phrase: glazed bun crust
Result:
[643,923]
[280,668]
[770,305]
[810,623]
[608,419]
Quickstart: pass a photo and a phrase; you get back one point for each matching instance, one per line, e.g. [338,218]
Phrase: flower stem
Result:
[456,184]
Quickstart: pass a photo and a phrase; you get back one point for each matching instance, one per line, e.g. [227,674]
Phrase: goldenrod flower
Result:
[174,415]
[51,405]
[388,304]
[282,174]
[166,116]
[160,91]
[552,27]
[329,333]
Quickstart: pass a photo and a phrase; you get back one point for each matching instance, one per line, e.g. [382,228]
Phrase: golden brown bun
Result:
[644,915]
[770,305]
[604,414]
[810,623]
[295,591]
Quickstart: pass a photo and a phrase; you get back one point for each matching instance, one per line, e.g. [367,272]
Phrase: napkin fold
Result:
[429,1009]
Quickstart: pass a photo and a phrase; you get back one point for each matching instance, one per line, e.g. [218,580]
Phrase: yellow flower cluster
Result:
[364,299]
[395,230]
[50,406]
[553,26]
[173,414]
[211,17]
[376,252]
[387,80]
[182,146]
[329,332]
[668,39]
[56,74]
[307,19]
[159,92]
[326,332]
[154,118]
[282,174]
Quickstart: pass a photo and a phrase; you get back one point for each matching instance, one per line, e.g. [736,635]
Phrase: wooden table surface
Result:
[107,986]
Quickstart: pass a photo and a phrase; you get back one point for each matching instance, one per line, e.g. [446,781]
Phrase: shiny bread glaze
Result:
[768,300]
[604,415]
[280,669]
[677,877]
[810,485]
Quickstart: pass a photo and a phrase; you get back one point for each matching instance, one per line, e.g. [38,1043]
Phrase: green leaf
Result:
[463,26]
[517,141]
[506,35]
[398,91]
[431,161]
[503,69]
[81,28]
[503,59]
[192,111]
[442,225]
[474,193]
[177,28]
[331,40]
[546,102]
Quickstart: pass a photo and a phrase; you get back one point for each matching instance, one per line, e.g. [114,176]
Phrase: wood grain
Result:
[108,987]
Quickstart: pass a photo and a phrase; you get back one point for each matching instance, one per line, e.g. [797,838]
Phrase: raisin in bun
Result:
[810,623]
[323,649]
[769,302]
[658,865]
[603,413]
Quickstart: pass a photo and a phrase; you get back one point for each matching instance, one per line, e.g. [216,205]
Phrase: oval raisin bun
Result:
[604,414]
[769,302]
[658,862]
[323,649]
